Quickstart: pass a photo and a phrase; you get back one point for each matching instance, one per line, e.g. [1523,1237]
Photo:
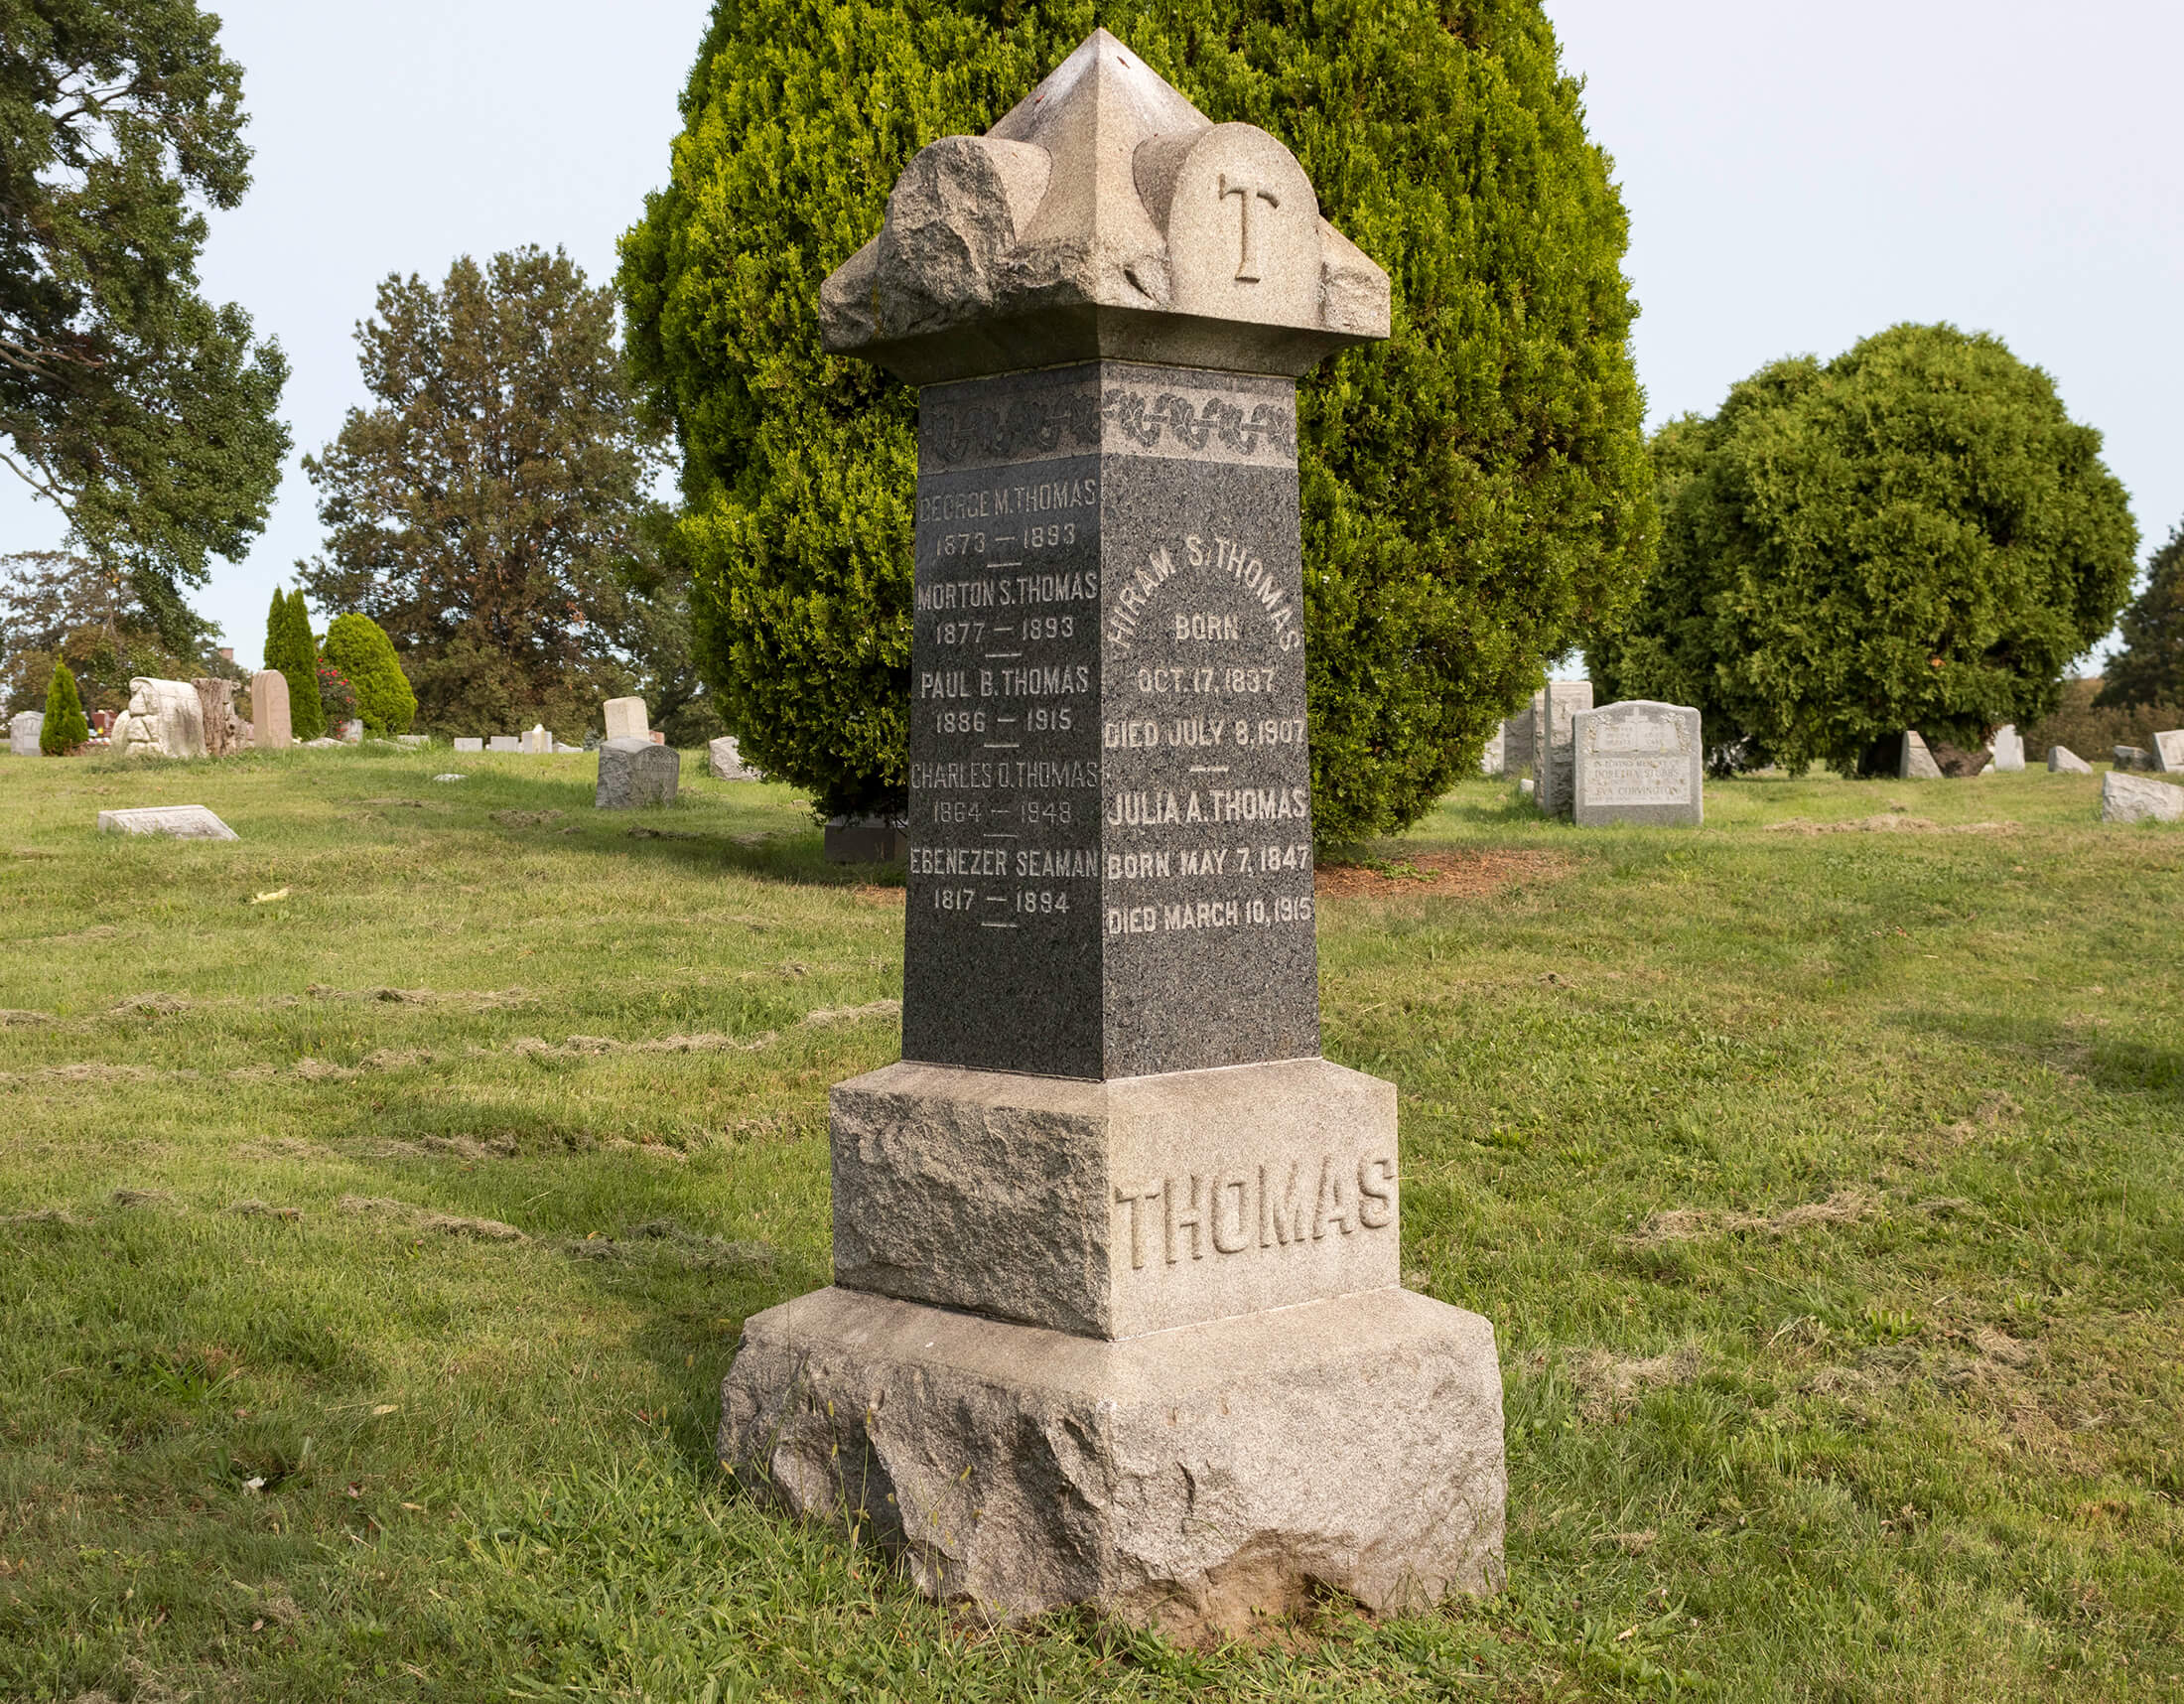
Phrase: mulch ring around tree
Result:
[1438,875]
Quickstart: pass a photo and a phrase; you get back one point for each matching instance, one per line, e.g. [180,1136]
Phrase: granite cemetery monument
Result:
[1637,762]
[1552,707]
[1116,1316]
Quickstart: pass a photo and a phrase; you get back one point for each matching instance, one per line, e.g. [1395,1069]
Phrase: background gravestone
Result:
[177,821]
[1113,1225]
[1638,761]
[23,731]
[1916,763]
[504,743]
[2168,752]
[2062,761]
[1552,709]
[2009,749]
[1494,759]
[2140,798]
[271,729]
[626,718]
[724,763]
[164,717]
[634,774]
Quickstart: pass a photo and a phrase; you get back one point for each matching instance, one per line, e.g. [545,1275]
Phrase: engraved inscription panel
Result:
[1110,871]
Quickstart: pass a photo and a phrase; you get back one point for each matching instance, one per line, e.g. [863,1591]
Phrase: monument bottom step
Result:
[1187,1480]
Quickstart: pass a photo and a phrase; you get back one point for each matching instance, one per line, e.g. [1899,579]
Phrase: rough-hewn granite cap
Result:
[1104,217]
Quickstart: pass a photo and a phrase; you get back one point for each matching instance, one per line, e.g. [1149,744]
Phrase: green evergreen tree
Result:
[1914,534]
[1474,490]
[360,648]
[290,649]
[2151,667]
[66,727]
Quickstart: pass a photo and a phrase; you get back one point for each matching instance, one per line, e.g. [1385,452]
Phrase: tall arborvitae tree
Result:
[139,409]
[66,727]
[485,508]
[290,649]
[1914,534]
[1475,492]
[2151,667]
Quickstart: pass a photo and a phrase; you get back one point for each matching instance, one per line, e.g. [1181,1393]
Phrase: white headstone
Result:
[538,741]
[272,728]
[469,742]
[352,733]
[2136,798]
[2062,761]
[1492,758]
[2009,749]
[165,718]
[1637,762]
[625,719]
[183,821]
[23,731]
[504,743]
[2168,752]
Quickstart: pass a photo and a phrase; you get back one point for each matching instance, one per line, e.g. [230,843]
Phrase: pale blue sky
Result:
[1798,176]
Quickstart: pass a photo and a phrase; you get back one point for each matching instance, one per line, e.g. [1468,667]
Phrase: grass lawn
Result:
[370,1255]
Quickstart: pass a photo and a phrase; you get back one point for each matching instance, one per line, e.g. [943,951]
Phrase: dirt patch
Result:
[1682,1224]
[869,894]
[42,1215]
[97,932]
[1609,1384]
[23,1020]
[404,803]
[663,1238]
[151,1005]
[447,1225]
[478,999]
[526,818]
[593,1047]
[1891,822]
[1439,875]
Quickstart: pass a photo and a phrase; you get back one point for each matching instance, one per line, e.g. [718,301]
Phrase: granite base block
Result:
[1116,1209]
[1188,1480]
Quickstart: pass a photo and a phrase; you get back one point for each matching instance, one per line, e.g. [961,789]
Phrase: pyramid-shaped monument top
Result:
[1104,217]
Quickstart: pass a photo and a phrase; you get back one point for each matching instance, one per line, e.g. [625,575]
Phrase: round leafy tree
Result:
[360,648]
[290,649]
[1474,490]
[1914,534]
[2151,667]
[66,727]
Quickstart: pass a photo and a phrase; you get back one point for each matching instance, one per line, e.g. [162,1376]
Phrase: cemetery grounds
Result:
[380,1197]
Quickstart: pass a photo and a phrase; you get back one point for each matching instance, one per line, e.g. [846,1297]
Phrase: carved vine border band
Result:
[963,435]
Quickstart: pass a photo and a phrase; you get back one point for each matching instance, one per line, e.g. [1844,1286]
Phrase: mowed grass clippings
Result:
[381,1194]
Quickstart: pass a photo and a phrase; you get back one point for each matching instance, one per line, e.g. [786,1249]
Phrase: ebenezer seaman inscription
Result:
[1117,1315]
[1110,787]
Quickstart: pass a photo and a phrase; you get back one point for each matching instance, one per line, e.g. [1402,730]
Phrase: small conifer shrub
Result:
[66,730]
[359,648]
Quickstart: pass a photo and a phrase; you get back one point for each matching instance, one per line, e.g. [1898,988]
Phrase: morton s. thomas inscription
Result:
[1110,796]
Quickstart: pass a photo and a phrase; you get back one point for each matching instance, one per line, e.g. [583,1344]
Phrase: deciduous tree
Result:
[1914,534]
[141,411]
[486,509]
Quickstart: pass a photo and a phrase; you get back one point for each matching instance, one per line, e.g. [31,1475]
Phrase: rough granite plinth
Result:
[635,774]
[2134,798]
[1187,1480]
[1118,1208]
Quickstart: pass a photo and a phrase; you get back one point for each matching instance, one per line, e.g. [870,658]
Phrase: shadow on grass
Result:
[2119,1064]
